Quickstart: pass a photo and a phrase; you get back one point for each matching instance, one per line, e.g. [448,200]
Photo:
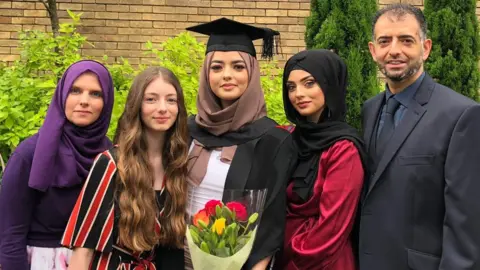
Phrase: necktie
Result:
[388,126]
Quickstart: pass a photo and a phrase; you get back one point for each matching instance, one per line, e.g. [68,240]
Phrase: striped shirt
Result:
[93,222]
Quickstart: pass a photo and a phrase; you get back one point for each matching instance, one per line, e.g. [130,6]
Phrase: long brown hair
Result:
[136,197]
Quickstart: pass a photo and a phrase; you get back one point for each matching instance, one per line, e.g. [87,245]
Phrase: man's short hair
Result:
[399,11]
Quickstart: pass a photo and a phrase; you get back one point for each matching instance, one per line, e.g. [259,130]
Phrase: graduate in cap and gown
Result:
[234,144]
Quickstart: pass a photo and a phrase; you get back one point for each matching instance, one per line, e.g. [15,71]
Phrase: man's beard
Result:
[398,77]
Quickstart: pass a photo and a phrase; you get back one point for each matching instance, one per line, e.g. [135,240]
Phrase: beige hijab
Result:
[217,120]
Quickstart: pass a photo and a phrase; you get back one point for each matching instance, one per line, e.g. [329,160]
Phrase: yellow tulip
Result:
[219,226]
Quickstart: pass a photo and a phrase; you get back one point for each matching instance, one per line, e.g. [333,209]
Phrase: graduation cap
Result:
[229,35]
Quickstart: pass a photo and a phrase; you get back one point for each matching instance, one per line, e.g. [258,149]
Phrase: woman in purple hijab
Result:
[46,172]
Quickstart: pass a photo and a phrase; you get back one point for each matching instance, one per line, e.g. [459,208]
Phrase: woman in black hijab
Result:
[326,184]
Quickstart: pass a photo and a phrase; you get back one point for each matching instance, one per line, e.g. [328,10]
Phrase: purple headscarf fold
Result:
[64,152]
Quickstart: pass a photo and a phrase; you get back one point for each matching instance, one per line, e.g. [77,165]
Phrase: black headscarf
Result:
[330,72]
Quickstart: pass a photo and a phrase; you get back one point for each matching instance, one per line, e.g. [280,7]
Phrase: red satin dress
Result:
[317,233]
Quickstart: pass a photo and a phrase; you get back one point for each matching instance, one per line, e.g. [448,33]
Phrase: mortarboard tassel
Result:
[270,42]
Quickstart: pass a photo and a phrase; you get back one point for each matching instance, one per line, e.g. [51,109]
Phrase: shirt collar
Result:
[406,95]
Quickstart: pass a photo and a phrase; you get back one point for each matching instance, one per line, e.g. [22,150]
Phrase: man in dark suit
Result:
[421,205]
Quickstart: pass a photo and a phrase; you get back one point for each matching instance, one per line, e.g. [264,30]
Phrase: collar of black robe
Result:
[311,139]
[245,134]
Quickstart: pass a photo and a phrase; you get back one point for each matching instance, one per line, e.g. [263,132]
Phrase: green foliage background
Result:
[26,86]
[453,28]
[345,27]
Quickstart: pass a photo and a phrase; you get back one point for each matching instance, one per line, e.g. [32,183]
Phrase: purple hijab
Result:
[64,152]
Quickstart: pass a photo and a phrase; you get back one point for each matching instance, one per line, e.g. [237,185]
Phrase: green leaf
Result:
[204,247]
[253,218]
[9,123]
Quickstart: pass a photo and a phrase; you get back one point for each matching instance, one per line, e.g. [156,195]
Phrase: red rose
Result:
[211,205]
[239,209]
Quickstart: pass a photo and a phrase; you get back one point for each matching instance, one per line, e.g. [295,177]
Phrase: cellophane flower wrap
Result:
[221,235]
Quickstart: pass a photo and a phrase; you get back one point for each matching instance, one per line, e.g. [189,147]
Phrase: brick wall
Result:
[120,28]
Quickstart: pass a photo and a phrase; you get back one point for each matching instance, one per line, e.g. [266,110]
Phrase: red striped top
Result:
[92,223]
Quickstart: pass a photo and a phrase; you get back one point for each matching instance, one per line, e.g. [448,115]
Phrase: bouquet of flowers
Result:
[221,235]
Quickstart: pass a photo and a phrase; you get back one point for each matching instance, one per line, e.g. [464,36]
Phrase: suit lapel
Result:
[411,118]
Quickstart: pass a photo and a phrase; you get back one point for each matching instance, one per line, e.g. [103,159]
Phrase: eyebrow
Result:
[155,94]
[223,62]
[303,79]
[401,36]
[80,88]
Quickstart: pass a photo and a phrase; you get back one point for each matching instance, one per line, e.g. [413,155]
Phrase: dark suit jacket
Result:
[421,209]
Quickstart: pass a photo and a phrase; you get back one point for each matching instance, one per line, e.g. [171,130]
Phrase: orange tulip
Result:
[201,215]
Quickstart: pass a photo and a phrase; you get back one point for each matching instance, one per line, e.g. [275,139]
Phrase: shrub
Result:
[453,28]
[345,27]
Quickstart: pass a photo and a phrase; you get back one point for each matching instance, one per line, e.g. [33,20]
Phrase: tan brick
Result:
[10,27]
[99,37]
[8,20]
[254,12]
[304,5]
[105,45]
[289,5]
[186,10]
[4,35]
[290,42]
[171,32]
[70,6]
[42,21]
[5,43]
[85,14]
[148,61]
[214,17]
[198,18]
[106,15]
[413,2]
[296,28]
[153,17]
[267,5]
[130,16]
[209,11]
[154,2]
[90,22]
[265,20]
[20,13]
[118,8]
[183,25]
[298,13]
[221,4]
[5,5]
[163,25]
[176,17]
[34,27]
[22,5]
[163,10]
[117,23]
[232,11]
[159,37]
[287,20]
[95,7]
[279,27]
[288,35]
[5,50]
[127,31]
[243,4]
[150,31]
[386,2]
[93,52]
[106,30]
[138,38]
[129,46]
[9,58]
[276,13]
[141,24]
[88,30]
[141,9]
[244,19]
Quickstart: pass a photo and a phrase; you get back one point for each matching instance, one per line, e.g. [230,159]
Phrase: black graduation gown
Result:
[262,160]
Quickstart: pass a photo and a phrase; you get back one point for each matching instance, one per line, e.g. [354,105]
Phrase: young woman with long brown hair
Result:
[131,212]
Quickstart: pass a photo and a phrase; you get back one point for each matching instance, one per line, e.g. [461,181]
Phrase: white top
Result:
[212,185]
